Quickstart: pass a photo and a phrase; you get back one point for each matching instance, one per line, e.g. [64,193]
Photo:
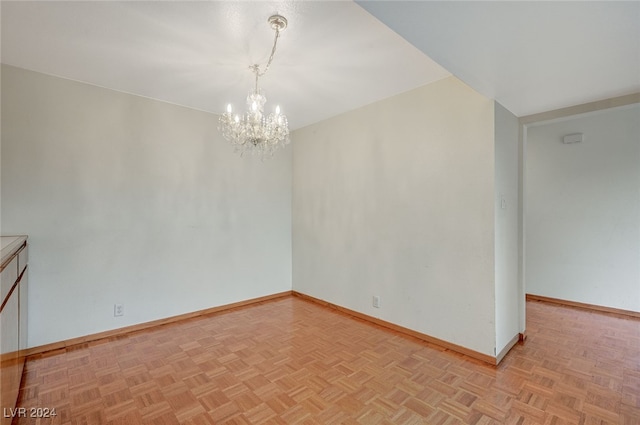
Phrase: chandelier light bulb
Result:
[277,109]
[229,108]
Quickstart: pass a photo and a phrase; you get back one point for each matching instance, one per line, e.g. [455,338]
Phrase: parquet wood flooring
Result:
[290,361]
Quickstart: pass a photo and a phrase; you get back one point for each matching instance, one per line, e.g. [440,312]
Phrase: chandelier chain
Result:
[256,67]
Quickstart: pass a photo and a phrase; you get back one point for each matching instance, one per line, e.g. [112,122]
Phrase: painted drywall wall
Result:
[508,292]
[396,200]
[582,208]
[134,201]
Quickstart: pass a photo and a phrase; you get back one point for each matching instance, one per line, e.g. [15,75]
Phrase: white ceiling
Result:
[334,56]
[533,56]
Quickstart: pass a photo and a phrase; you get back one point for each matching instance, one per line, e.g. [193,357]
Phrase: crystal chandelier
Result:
[255,132]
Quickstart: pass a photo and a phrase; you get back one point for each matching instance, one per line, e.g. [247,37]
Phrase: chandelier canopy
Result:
[255,132]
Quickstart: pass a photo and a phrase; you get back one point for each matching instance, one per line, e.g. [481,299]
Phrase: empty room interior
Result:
[320,212]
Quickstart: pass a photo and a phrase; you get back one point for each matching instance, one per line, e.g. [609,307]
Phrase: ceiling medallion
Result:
[255,132]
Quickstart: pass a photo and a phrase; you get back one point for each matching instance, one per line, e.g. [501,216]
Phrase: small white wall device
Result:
[572,138]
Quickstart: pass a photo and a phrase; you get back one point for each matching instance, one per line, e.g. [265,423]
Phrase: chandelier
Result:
[255,132]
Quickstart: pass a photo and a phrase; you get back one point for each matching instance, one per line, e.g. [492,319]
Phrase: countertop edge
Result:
[10,250]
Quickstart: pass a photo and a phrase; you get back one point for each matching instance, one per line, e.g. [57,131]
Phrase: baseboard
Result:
[120,332]
[600,308]
[424,337]
[141,326]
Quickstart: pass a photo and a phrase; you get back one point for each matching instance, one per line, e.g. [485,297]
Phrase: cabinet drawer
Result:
[23,258]
[8,277]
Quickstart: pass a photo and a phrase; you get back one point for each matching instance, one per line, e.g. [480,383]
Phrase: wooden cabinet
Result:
[13,320]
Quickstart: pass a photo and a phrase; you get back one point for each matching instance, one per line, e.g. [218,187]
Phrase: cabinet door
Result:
[10,361]
[23,288]
[8,277]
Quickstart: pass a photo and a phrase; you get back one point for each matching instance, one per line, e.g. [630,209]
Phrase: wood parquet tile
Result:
[290,361]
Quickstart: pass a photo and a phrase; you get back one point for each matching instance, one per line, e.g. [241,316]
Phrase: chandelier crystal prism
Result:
[254,132]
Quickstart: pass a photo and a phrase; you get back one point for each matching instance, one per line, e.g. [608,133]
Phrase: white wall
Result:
[134,201]
[508,293]
[396,199]
[583,209]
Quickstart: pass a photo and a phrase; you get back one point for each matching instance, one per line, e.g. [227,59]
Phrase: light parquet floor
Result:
[290,361]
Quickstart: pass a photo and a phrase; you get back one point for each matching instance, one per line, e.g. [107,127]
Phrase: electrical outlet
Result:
[376,301]
[118,310]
